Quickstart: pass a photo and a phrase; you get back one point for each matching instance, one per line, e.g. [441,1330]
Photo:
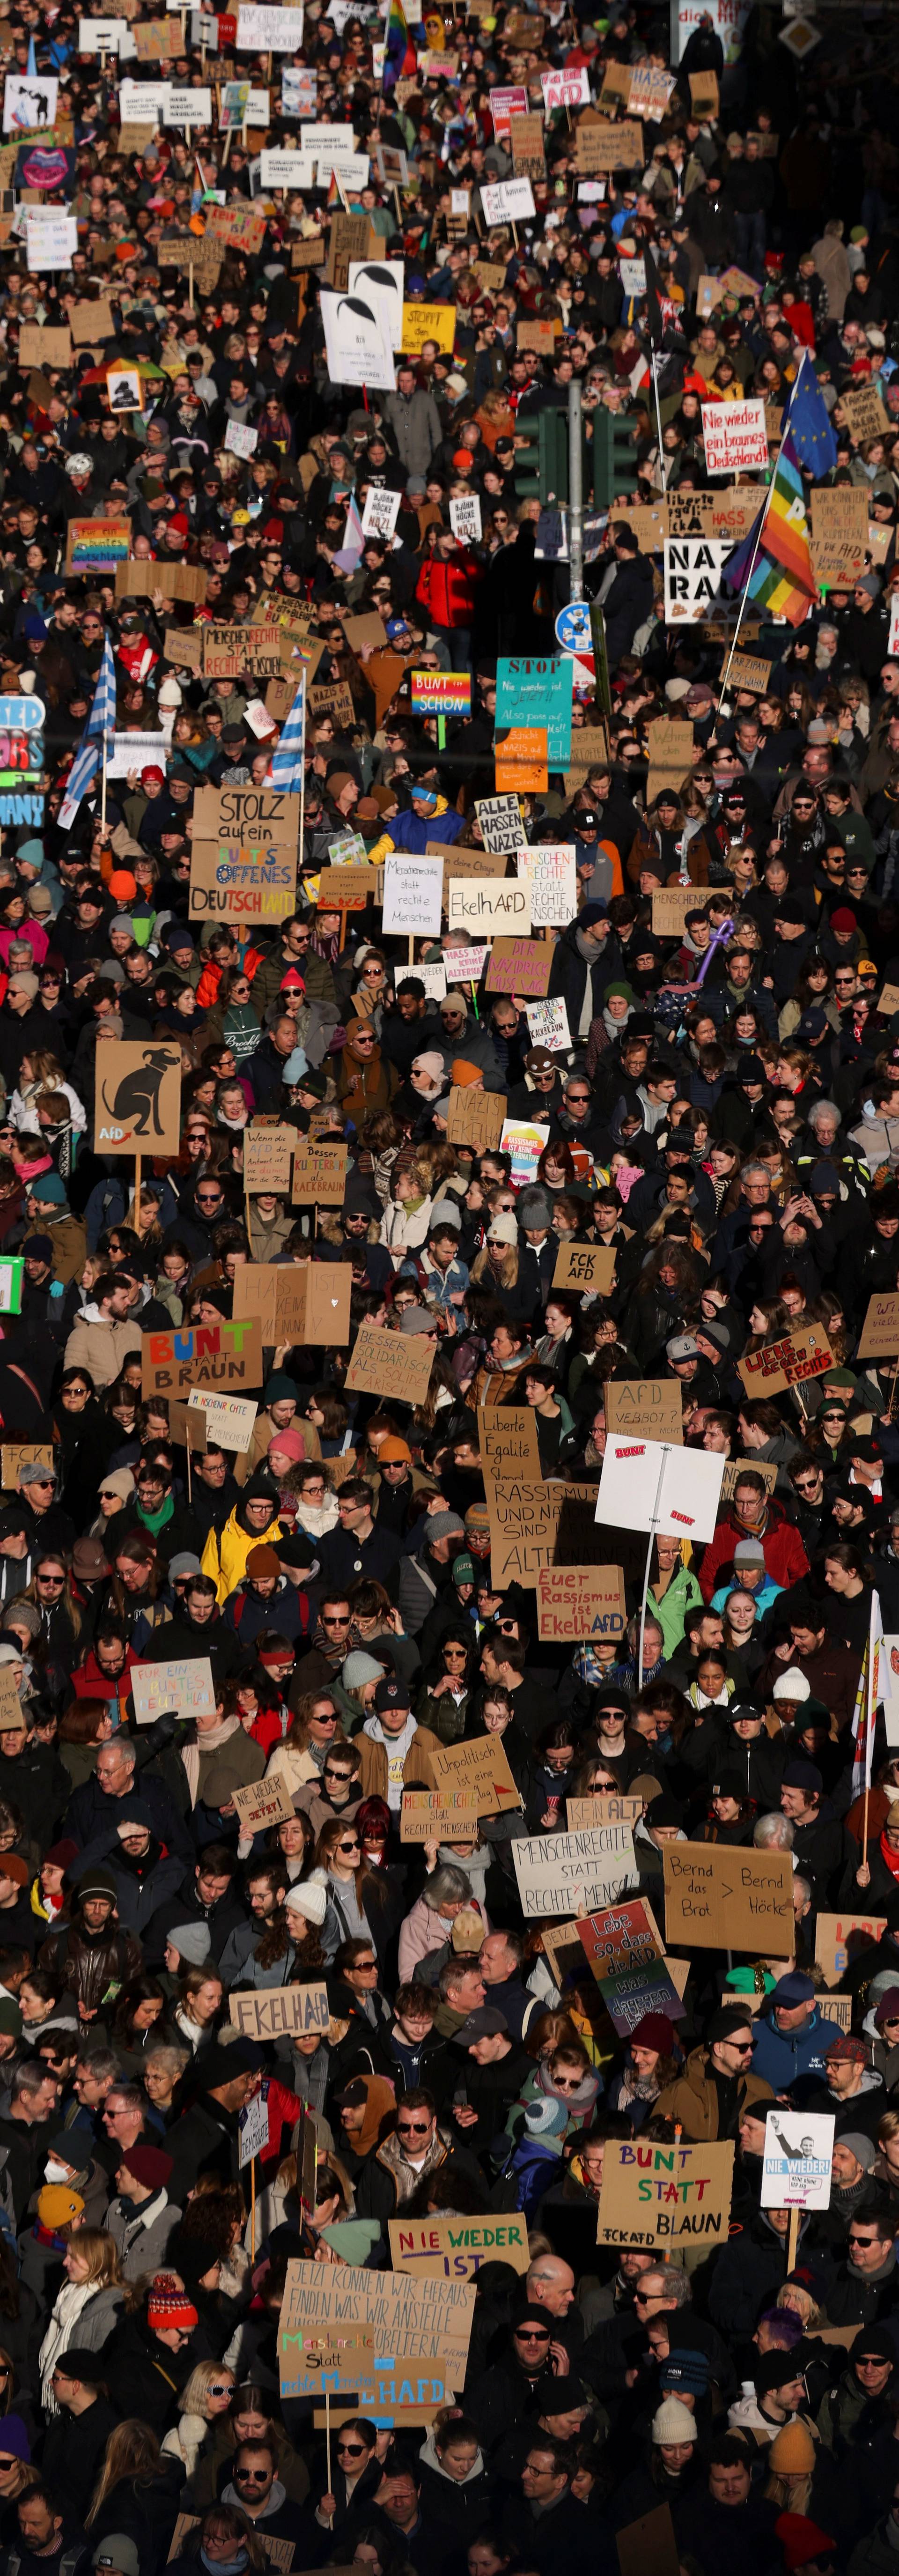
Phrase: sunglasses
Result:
[251,2477]
[350,2450]
[413,2128]
[349,1847]
[531,2334]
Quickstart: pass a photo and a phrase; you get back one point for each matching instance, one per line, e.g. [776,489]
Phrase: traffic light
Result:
[614,457]
[541,469]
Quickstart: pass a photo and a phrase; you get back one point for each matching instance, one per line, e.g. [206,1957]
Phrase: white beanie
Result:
[306,1897]
[792,1685]
[673,2422]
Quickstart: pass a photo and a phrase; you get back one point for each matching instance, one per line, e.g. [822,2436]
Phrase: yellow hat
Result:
[57,2206]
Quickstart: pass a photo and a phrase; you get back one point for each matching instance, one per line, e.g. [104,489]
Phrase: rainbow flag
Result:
[400,58]
[780,579]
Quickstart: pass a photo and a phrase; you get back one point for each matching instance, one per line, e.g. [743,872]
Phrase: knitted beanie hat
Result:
[546,2120]
[309,1898]
[792,2453]
[57,2206]
[168,2305]
[673,2422]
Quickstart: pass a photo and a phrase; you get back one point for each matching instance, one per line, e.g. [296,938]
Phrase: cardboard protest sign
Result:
[588,1266]
[138,1098]
[480,1765]
[481,906]
[519,966]
[650,1405]
[747,671]
[839,534]
[319,1173]
[577,1603]
[228,1420]
[796,2165]
[499,816]
[417,2317]
[556,1872]
[646,1485]
[12,1715]
[413,895]
[880,1330]
[303,1302]
[730,1900]
[218,1356]
[667,2196]
[394,1365]
[863,413]
[608,147]
[508,1441]
[436,1815]
[639,1989]
[604,1808]
[670,747]
[620,1934]
[737,1467]
[280,2012]
[185,1685]
[839,1938]
[536,1525]
[789,1362]
[453,2249]
[267,1158]
[40,347]
[648,2547]
[475,1117]
[261,1803]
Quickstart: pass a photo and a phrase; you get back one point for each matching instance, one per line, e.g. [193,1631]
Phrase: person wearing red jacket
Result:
[445,589]
[752,1514]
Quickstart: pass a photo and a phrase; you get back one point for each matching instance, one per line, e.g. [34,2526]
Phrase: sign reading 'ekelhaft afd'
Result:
[227,1356]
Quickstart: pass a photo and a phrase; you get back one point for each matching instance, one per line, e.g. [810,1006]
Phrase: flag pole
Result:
[303,773]
[870,1695]
[655,388]
[755,553]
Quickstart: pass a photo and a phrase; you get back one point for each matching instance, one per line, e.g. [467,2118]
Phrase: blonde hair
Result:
[104,2270]
[195,2393]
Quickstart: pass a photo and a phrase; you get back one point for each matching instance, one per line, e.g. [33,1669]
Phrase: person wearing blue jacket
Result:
[792,2036]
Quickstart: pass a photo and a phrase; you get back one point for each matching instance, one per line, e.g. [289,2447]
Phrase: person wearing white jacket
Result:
[407,1216]
[86,2308]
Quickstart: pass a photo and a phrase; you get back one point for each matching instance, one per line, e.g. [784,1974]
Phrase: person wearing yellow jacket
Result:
[255,1517]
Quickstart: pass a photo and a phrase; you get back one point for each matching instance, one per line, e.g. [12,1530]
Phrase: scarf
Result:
[155,1521]
[889,1857]
[211,1742]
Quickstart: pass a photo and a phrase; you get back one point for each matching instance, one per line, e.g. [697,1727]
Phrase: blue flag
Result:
[809,421]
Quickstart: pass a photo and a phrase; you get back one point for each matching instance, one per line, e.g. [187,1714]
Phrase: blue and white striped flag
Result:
[101,721]
[287,761]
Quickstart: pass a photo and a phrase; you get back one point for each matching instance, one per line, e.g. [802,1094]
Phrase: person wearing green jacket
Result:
[673,1590]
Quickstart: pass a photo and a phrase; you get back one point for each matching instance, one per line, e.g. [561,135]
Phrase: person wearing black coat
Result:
[149,2356]
[456,2491]
[146,2507]
[628,602]
[546,2526]
[585,960]
[76,2437]
[355,2478]
[493,2071]
[518,2382]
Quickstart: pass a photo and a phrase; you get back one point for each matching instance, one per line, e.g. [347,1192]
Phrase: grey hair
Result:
[101,2063]
[445,1886]
[675,2282]
[814,1113]
[804,1883]
[773,1833]
[750,1168]
[173,2059]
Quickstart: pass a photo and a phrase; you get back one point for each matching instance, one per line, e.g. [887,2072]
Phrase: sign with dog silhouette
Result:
[138,1098]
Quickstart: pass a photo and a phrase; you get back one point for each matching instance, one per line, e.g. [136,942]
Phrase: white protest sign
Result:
[135,751]
[633,278]
[645,1485]
[797,2160]
[269,31]
[557,1873]
[356,345]
[51,244]
[565,89]
[734,437]
[692,576]
[184,1684]
[413,896]
[229,1418]
[550,869]
[381,512]
[548,1026]
[240,439]
[101,35]
[432,977]
[331,144]
[252,2125]
[381,283]
[27,103]
[187,106]
[140,101]
[465,518]
[510,202]
[893,636]
[285,169]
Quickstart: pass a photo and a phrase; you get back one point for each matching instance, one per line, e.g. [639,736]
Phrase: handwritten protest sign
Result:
[576,1603]
[588,1266]
[437,1815]
[229,1420]
[730,1900]
[508,1437]
[319,1173]
[185,1685]
[647,1405]
[262,1802]
[537,1525]
[480,1765]
[788,1362]
[880,1330]
[417,2317]
[475,1117]
[558,1872]
[267,1157]
[280,2012]
[453,2249]
[519,966]
[664,2195]
[396,1365]
[840,1937]
[839,540]
[217,1356]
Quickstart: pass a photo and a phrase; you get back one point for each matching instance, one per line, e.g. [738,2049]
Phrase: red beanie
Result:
[167,2305]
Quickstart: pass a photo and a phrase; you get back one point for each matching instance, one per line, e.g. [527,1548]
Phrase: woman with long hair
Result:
[444,1701]
[136,2023]
[225,2540]
[85,2309]
[355,1907]
[666,1294]
[197,2008]
[137,2493]
[314,1730]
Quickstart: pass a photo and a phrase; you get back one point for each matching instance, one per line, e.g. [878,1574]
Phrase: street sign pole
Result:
[575,492]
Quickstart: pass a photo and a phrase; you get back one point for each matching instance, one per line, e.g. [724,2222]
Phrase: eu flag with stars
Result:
[810,427]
